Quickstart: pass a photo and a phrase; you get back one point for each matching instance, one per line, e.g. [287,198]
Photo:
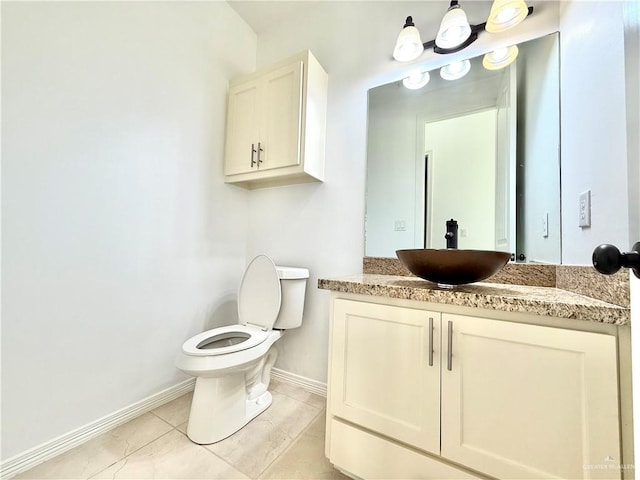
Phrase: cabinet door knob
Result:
[608,259]
[253,151]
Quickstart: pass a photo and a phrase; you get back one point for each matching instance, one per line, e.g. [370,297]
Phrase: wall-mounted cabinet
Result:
[427,394]
[276,123]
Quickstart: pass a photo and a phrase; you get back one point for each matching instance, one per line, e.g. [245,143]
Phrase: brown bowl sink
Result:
[452,266]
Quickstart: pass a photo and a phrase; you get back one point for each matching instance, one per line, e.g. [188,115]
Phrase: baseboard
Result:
[29,459]
[305,383]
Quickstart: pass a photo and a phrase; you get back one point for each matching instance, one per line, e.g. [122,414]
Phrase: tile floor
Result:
[284,442]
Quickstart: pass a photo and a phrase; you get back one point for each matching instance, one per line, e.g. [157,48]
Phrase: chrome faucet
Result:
[452,234]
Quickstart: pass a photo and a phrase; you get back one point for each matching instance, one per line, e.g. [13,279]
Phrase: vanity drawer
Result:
[361,454]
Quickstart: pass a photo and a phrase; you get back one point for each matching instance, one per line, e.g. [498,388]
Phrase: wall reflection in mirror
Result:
[482,149]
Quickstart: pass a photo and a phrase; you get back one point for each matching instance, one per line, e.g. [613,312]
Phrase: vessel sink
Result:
[450,267]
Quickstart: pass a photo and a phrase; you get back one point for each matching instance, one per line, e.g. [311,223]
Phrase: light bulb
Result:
[409,44]
[500,54]
[454,29]
[455,70]
[500,57]
[506,14]
[416,80]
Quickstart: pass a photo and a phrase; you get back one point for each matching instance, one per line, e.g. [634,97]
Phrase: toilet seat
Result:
[259,299]
[249,337]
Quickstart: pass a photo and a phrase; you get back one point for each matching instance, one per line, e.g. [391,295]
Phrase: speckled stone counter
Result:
[580,279]
[546,301]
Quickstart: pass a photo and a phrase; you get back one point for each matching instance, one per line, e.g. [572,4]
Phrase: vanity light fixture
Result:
[455,33]
[416,80]
[409,46]
[455,70]
[454,28]
[506,14]
[500,58]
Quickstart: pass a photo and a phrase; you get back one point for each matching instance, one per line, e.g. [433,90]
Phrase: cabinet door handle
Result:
[449,344]
[431,342]
[260,149]
[253,151]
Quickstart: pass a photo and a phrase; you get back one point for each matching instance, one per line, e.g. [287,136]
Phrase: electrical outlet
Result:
[584,219]
[545,225]
[400,226]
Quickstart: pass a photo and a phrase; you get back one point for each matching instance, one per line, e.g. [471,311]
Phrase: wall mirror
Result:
[483,150]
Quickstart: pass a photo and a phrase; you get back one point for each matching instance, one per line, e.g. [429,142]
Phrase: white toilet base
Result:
[223,405]
[257,406]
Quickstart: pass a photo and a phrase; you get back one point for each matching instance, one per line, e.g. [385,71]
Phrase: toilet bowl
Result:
[232,364]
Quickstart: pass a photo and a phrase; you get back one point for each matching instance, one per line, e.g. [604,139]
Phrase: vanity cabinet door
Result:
[383,376]
[524,401]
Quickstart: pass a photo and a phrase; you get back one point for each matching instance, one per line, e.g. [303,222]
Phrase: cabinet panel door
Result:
[242,128]
[282,107]
[524,401]
[381,377]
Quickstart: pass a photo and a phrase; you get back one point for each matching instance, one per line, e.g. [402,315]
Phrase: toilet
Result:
[232,364]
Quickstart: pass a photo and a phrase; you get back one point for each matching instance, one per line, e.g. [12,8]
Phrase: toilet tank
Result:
[293,281]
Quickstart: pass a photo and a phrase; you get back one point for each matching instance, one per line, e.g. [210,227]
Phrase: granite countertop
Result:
[546,301]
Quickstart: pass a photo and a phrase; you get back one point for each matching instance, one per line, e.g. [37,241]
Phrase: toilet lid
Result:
[260,295]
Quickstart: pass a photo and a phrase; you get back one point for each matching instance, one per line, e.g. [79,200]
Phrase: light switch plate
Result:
[585,209]
[545,225]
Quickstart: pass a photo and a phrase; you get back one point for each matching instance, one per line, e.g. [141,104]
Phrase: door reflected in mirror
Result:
[483,150]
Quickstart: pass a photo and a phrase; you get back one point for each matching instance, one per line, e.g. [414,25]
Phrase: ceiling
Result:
[260,15]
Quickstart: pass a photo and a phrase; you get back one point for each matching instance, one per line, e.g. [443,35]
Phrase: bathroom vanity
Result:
[481,381]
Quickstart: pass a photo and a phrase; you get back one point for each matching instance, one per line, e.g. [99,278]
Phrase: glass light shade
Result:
[500,58]
[416,80]
[455,70]
[409,45]
[454,29]
[506,14]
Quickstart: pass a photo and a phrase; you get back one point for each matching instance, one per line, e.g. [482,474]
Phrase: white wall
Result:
[119,238]
[593,126]
[321,225]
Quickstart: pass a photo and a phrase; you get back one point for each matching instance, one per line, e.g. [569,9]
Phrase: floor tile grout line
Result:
[224,460]
[293,442]
[302,432]
[203,447]
[166,421]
